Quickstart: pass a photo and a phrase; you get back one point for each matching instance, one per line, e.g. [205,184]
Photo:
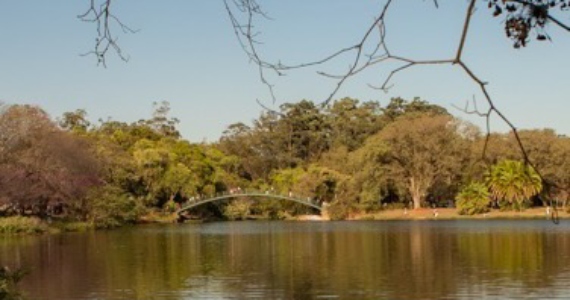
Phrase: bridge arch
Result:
[192,204]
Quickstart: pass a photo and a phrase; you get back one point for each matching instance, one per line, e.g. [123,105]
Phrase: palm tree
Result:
[513,182]
[473,199]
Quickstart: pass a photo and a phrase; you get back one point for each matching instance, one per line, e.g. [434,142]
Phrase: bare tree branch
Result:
[529,15]
[465,29]
[101,15]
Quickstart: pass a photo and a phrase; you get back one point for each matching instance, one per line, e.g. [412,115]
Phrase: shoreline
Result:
[451,214]
[33,226]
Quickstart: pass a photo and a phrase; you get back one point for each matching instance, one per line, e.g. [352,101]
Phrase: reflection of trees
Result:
[393,260]
[418,263]
[532,257]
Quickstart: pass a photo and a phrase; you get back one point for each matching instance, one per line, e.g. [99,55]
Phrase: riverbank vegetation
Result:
[8,283]
[357,157]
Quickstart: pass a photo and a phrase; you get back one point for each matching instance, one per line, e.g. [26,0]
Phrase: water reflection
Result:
[282,260]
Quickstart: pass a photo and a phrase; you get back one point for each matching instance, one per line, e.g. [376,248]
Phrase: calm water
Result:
[300,260]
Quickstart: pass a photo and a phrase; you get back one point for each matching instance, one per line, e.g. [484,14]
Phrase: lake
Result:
[492,259]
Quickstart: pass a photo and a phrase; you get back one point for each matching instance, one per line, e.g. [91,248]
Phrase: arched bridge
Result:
[249,194]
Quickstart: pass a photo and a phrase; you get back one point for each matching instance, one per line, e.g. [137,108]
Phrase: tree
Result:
[422,150]
[513,182]
[75,121]
[549,153]
[351,122]
[370,181]
[473,199]
[179,180]
[42,165]
[261,148]
[524,20]
[161,123]
[308,130]
[399,107]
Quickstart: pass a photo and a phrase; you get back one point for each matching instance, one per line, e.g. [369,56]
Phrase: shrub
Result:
[8,283]
[238,209]
[473,199]
[19,224]
[338,211]
[71,226]
[505,205]
[111,207]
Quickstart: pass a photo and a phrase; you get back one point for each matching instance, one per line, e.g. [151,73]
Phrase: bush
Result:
[505,205]
[19,224]
[8,283]
[338,211]
[71,226]
[473,199]
[111,207]
[238,209]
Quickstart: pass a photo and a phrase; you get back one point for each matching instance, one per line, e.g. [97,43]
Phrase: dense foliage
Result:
[473,199]
[513,183]
[351,156]
[8,283]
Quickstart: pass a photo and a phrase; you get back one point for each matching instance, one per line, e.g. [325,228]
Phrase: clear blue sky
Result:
[185,53]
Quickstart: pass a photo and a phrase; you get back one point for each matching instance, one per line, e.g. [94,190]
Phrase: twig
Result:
[104,19]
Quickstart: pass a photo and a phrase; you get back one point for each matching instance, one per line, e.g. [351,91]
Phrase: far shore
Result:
[33,225]
[446,214]
[451,213]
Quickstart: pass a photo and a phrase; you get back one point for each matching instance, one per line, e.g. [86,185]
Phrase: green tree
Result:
[179,180]
[399,107]
[110,206]
[260,148]
[473,199]
[307,129]
[369,181]
[75,121]
[352,122]
[423,150]
[513,182]
[549,153]
[161,122]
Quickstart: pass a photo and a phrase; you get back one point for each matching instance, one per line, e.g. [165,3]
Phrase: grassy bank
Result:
[451,213]
[33,225]
[15,225]
[22,225]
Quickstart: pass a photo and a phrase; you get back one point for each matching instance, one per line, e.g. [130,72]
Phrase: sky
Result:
[185,52]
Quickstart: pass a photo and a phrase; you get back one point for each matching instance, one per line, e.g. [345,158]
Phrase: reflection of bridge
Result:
[248,194]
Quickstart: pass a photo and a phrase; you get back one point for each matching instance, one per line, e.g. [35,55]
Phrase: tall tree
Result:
[398,107]
[41,164]
[75,121]
[423,150]
[308,130]
[351,122]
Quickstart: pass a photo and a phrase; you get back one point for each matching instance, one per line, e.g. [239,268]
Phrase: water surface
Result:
[492,259]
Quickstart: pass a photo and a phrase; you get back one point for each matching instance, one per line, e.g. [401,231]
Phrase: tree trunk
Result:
[415,193]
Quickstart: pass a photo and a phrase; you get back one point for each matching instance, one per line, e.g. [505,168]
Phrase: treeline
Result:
[362,157]
[355,156]
[106,174]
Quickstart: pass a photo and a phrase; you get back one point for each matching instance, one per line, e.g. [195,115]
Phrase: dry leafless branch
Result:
[100,13]
[361,61]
